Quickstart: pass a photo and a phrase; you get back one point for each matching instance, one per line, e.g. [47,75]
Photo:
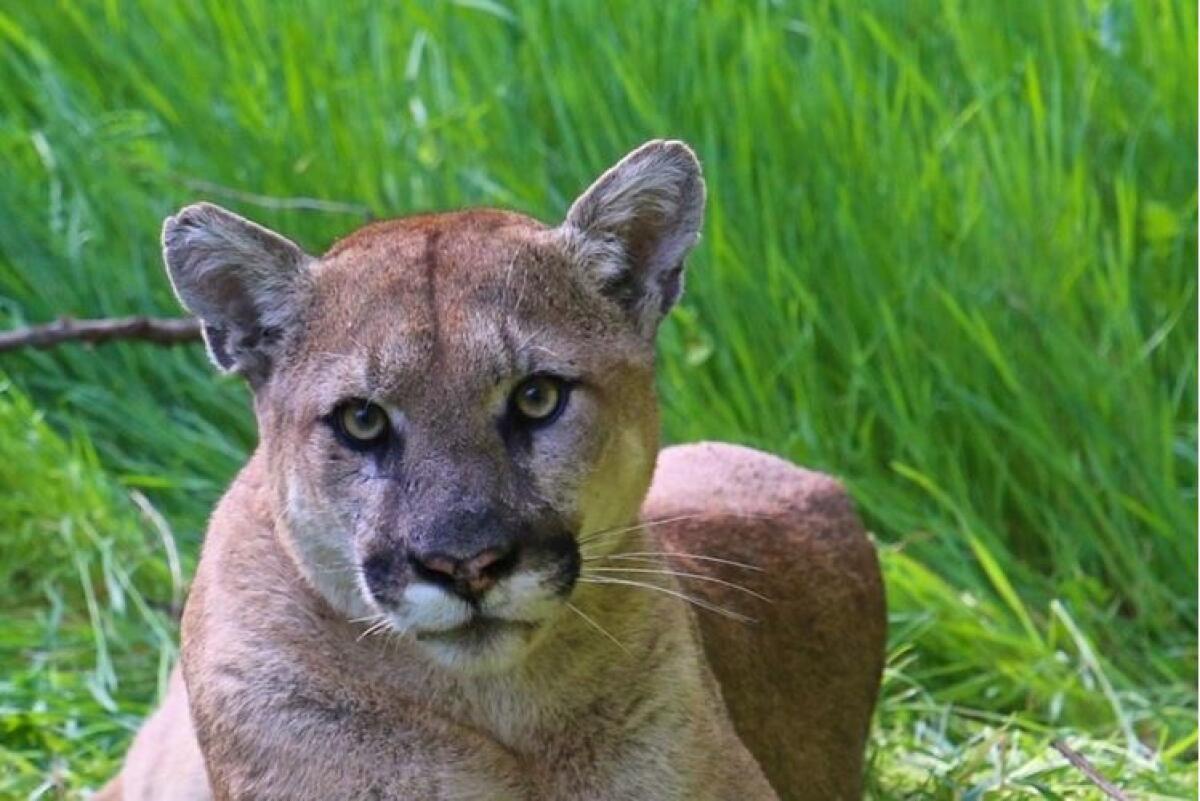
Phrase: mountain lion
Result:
[457,566]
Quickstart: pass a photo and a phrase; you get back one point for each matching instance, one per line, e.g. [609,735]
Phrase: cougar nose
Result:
[471,577]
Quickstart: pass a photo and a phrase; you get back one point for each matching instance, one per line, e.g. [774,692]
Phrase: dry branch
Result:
[157,331]
[273,202]
[1088,769]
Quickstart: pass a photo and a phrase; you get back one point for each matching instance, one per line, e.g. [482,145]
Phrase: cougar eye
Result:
[539,399]
[360,423]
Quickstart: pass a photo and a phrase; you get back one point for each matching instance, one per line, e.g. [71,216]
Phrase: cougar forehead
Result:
[439,302]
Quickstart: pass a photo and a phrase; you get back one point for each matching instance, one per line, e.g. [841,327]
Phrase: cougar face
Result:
[456,409]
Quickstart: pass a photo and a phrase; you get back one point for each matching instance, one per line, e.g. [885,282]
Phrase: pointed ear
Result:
[245,283]
[632,229]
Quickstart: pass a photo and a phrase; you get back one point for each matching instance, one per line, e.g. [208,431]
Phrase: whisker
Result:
[679,574]
[697,602]
[645,524]
[375,628]
[597,627]
[645,556]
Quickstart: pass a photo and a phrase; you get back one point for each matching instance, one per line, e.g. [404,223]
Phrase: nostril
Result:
[434,568]
[482,571]
[492,564]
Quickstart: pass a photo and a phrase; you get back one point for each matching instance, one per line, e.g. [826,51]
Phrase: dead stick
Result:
[1088,769]
[272,202]
[158,331]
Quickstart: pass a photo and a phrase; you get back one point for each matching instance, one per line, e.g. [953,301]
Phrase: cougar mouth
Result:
[478,630]
[482,644]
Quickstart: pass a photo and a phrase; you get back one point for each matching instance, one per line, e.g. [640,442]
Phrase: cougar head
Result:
[452,407]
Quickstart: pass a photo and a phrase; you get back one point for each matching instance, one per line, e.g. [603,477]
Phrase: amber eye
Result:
[361,423]
[539,399]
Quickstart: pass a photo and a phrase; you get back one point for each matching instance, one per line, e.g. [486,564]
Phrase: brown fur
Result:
[800,683]
[316,663]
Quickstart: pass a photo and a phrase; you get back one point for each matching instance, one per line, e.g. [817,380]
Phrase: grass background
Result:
[950,256]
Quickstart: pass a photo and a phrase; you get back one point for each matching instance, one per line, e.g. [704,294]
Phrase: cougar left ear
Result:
[246,284]
[633,228]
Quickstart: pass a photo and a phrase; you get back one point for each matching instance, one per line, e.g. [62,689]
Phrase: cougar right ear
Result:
[633,228]
[244,282]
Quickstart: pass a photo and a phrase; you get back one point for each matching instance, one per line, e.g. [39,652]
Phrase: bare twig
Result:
[158,331]
[1088,769]
[271,202]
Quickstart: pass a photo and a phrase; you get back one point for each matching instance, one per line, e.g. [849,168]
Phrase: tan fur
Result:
[601,690]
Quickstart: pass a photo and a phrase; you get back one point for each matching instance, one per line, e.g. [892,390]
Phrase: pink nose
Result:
[470,578]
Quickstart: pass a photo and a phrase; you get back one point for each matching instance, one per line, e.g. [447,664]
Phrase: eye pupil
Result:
[362,423]
[539,399]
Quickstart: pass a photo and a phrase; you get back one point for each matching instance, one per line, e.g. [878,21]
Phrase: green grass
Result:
[950,256]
